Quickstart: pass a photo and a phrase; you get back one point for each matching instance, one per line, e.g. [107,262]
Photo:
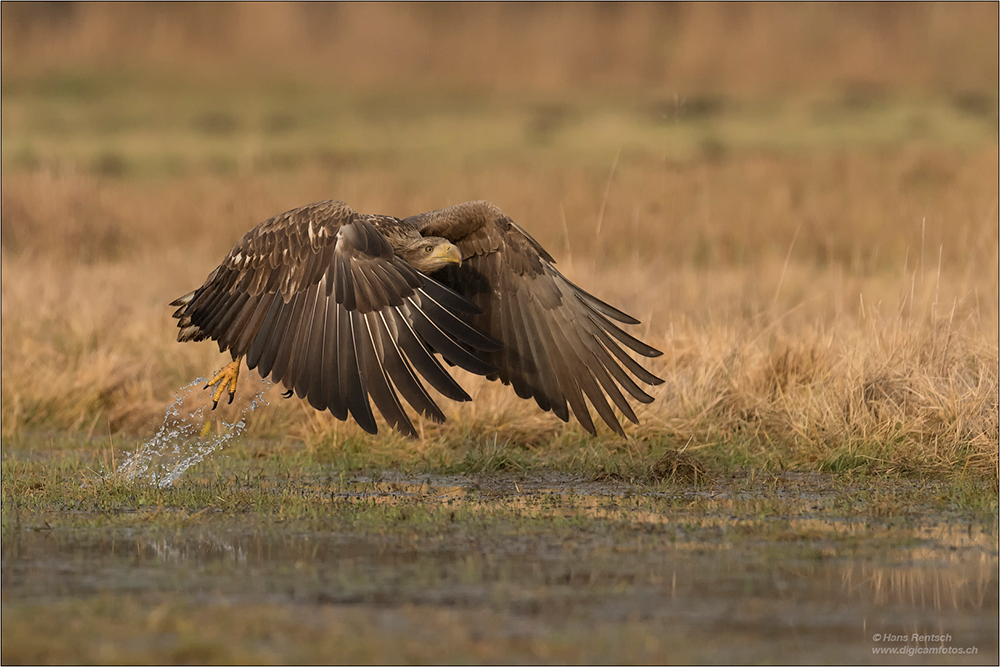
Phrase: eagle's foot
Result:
[225,378]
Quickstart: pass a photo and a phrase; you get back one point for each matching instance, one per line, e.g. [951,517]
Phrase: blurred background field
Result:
[798,201]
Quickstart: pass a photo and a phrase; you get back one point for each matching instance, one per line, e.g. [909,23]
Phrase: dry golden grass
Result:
[824,353]
[812,241]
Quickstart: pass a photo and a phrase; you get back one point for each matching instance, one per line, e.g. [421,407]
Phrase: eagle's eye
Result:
[428,248]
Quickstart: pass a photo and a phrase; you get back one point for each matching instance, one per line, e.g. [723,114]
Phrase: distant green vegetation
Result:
[118,127]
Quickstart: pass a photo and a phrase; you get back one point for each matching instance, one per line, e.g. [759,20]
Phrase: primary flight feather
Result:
[339,306]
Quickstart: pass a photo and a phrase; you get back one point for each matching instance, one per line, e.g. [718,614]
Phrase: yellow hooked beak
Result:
[448,252]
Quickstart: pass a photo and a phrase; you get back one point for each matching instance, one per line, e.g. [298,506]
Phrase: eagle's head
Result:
[430,253]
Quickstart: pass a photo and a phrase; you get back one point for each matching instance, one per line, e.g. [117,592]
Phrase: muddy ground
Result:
[500,568]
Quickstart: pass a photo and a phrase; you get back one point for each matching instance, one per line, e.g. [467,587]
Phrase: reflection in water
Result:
[687,565]
[184,439]
[924,586]
[183,552]
[942,567]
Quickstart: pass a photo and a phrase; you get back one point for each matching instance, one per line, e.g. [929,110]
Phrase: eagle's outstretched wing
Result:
[317,299]
[558,342]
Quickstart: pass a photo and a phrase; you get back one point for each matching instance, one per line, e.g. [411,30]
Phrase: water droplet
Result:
[175,447]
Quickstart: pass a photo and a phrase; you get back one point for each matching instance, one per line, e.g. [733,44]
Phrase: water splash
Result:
[184,438]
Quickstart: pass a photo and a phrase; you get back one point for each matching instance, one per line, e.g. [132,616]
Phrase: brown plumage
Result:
[338,306]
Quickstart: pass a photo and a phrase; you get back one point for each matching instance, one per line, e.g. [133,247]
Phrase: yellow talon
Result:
[225,378]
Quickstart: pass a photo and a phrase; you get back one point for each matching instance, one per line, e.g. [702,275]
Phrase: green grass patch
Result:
[117,126]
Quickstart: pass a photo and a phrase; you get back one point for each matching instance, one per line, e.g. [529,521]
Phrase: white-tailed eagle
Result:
[339,306]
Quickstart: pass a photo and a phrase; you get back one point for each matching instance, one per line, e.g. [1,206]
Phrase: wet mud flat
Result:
[501,568]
